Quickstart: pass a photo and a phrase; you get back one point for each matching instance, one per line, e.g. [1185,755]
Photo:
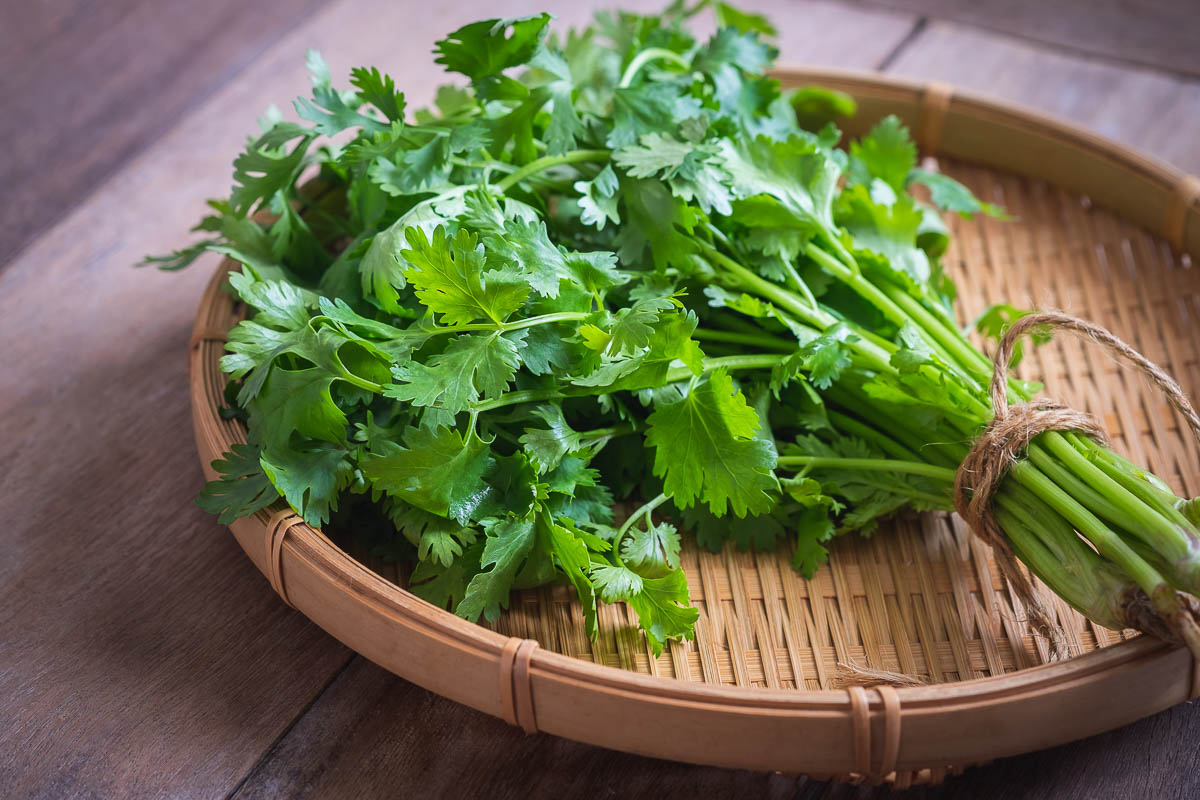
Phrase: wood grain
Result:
[1154,33]
[1154,112]
[399,741]
[88,85]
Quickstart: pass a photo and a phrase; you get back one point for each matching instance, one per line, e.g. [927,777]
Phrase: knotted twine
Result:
[1011,430]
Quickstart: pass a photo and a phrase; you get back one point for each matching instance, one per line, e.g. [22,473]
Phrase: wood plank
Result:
[373,735]
[1153,33]
[87,85]
[1157,113]
[142,653]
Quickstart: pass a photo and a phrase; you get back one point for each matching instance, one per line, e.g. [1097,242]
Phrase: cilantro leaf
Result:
[652,551]
[664,609]
[598,198]
[491,46]
[448,277]
[507,544]
[886,153]
[547,446]
[242,489]
[793,171]
[473,364]
[266,166]
[706,449]
[571,555]
[379,90]
[310,479]
[296,401]
[438,470]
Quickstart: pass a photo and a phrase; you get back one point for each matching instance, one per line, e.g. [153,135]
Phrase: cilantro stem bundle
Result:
[615,271]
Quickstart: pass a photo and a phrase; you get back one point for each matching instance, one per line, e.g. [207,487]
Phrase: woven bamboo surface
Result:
[921,596]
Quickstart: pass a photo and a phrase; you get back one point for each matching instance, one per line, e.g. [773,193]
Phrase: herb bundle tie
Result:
[1003,442]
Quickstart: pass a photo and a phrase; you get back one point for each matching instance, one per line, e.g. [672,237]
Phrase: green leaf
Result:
[279,303]
[421,169]
[995,321]
[524,249]
[242,489]
[266,167]
[886,153]
[664,609]
[449,278]
[473,364]
[547,446]
[950,195]
[652,551]
[657,220]
[738,48]
[647,108]
[491,46]
[379,90]
[438,471]
[445,585]
[752,532]
[296,401]
[816,106]
[745,21]
[596,271]
[508,542]
[889,231]
[252,348]
[827,356]
[690,170]
[706,450]
[309,478]
[331,111]
[598,199]
[793,171]
[571,555]
[615,583]
[813,529]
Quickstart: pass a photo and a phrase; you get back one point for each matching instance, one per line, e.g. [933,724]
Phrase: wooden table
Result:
[141,653]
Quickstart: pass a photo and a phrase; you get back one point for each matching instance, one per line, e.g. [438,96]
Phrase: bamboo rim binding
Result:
[1013,427]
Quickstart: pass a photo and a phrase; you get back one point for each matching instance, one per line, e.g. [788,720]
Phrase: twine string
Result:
[1012,429]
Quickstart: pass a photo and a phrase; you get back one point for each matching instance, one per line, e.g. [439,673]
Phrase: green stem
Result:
[606,433]
[873,356]
[750,339]
[810,315]
[516,398]
[362,383]
[505,327]
[548,162]
[1107,542]
[630,520]
[866,432]
[1137,480]
[942,474]
[727,362]
[972,362]
[645,57]
[1142,520]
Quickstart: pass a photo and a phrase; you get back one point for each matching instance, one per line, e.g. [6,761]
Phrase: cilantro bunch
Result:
[614,272]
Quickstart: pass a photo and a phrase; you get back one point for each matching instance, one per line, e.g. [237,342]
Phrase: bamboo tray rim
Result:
[1170,211]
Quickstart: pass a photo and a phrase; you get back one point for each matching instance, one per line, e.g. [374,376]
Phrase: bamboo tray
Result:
[758,688]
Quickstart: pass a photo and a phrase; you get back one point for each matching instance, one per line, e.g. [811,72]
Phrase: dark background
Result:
[141,653]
